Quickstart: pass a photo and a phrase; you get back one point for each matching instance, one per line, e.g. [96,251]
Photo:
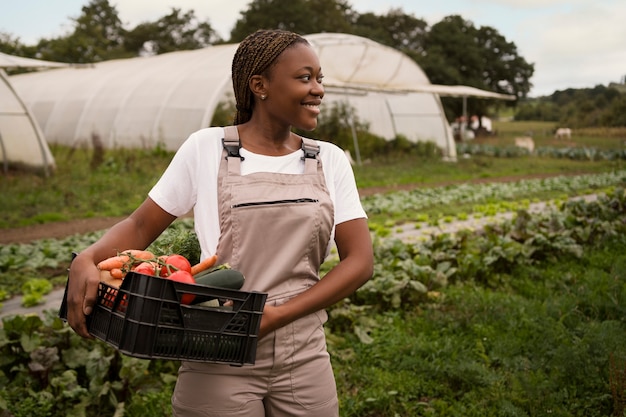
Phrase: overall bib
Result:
[275,229]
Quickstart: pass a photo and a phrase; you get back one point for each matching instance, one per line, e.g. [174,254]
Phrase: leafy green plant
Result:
[179,238]
[483,199]
[527,347]
[33,291]
[574,153]
[61,374]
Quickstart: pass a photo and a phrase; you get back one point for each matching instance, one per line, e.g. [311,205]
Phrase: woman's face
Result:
[294,87]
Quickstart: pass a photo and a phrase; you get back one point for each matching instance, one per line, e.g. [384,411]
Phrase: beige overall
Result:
[275,229]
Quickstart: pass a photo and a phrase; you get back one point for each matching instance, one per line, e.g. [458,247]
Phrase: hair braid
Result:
[254,56]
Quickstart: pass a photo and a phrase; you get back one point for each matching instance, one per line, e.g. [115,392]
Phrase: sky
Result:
[572,43]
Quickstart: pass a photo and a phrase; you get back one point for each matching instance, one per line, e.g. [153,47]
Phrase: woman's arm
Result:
[356,266]
[137,231]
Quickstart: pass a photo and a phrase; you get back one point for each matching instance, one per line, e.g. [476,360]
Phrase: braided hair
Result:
[254,56]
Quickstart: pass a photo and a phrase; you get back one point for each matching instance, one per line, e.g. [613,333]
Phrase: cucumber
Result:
[222,278]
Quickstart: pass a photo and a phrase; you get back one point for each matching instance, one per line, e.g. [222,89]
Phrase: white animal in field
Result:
[563,133]
[525,142]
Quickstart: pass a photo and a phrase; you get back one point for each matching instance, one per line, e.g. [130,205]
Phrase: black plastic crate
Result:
[144,319]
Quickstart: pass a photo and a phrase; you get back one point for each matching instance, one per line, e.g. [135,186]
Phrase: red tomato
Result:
[146,268]
[187,278]
[175,263]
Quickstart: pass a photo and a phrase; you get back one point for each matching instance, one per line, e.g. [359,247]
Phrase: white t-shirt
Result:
[190,181]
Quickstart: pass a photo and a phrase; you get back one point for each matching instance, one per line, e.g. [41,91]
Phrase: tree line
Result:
[452,51]
[586,107]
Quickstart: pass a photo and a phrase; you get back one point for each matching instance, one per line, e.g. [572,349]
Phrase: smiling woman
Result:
[276,84]
[270,204]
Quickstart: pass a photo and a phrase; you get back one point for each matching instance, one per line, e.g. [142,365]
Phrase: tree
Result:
[396,29]
[173,32]
[300,16]
[481,57]
[13,46]
[98,36]
[456,52]
[503,70]
[577,108]
[10,45]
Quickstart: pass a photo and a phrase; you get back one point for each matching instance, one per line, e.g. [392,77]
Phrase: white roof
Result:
[140,102]
[11,61]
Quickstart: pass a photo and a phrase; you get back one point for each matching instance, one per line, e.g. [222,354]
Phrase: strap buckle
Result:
[310,150]
[232,148]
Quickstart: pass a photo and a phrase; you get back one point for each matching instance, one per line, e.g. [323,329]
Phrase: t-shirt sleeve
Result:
[346,195]
[176,190]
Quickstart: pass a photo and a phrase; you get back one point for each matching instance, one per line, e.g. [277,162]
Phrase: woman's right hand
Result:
[137,231]
[82,293]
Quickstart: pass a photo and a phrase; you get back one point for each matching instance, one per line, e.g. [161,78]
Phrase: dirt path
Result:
[55,230]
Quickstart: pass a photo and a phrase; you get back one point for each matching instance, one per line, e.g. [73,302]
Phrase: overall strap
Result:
[311,151]
[232,145]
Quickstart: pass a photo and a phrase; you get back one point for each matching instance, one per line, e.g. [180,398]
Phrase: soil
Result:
[59,230]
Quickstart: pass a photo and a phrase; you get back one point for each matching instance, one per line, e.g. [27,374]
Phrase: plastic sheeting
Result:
[142,102]
[12,61]
[22,143]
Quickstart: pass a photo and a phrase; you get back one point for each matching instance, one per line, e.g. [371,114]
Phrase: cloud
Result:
[577,45]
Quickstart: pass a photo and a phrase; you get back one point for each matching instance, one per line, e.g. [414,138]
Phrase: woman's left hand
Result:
[269,320]
[355,268]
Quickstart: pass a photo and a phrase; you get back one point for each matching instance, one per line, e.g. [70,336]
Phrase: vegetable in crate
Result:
[146,268]
[118,266]
[174,263]
[181,241]
[204,265]
[223,278]
[187,278]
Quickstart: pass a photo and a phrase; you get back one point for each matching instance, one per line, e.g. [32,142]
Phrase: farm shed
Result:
[142,102]
[22,143]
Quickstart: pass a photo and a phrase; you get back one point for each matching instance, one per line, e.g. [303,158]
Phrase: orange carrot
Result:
[117,273]
[113,262]
[204,264]
[138,254]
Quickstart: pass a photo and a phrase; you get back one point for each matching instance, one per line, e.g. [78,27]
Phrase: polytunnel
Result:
[22,144]
[145,101]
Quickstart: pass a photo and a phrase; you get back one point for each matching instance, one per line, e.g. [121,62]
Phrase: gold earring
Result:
[263,97]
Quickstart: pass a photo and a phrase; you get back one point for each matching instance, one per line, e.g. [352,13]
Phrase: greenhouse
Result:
[22,143]
[160,100]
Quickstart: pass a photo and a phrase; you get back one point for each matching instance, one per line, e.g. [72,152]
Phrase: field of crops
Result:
[521,318]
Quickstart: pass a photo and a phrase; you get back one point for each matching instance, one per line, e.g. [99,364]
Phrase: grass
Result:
[80,190]
[543,135]
[402,171]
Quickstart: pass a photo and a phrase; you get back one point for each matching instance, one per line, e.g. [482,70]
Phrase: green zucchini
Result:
[222,278]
